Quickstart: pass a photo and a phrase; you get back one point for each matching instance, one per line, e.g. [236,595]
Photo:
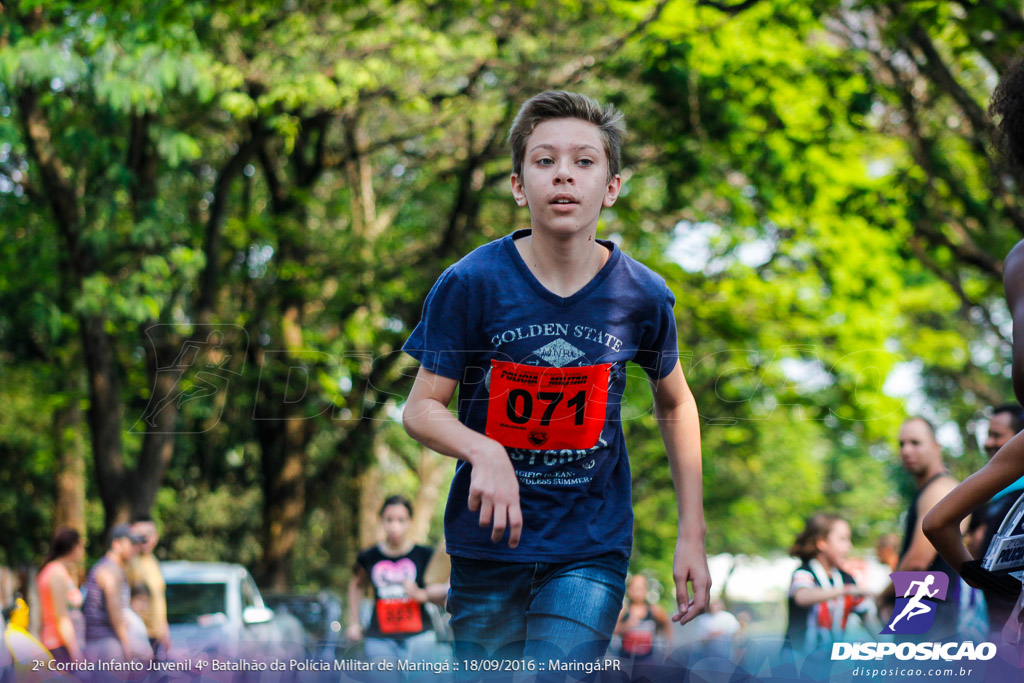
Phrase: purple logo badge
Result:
[917,594]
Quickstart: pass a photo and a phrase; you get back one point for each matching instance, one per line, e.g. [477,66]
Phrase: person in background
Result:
[106,597]
[921,457]
[6,660]
[145,569]
[718,627]
[821,595]
[1006,421]
[641,622]
[887,550]
[139,603]
[400,626]
[59,595]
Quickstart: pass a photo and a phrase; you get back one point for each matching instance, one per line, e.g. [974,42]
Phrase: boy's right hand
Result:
[494,491]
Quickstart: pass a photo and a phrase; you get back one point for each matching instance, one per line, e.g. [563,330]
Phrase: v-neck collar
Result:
[544,292]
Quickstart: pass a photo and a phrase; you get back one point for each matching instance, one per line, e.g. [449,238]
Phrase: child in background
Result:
[400,627]
[640,622]
[821,595]
[139,604]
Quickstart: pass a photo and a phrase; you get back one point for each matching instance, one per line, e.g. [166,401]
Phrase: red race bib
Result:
[399,615]
[547,408]
[638,642]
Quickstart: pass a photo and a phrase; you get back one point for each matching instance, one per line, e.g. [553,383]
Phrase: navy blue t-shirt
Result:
[576,503]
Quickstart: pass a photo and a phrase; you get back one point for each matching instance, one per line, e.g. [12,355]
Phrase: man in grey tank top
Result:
[106,598]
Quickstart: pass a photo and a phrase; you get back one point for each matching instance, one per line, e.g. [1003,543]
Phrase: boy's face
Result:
[565,179]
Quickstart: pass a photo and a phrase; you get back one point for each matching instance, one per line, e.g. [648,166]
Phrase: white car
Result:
[216,608]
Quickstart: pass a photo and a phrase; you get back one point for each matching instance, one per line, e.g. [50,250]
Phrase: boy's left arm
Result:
[676,412]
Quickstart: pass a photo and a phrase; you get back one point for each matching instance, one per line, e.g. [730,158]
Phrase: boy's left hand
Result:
[691,564]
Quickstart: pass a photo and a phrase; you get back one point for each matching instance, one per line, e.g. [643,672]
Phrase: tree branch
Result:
[215,221]
[731,10]
[56,178]
[940,74]
[952,279]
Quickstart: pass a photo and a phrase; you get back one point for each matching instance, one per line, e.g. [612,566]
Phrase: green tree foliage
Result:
[814,182]
[829,249]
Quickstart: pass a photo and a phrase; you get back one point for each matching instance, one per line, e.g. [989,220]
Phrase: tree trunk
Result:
[105,419]
[70,484]
[284,491]
[431,473]
[285,432]
[158,442]
[370,498]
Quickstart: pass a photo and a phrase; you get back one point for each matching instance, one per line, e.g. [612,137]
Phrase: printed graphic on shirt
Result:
[549,409]
[560,352]
[396,612]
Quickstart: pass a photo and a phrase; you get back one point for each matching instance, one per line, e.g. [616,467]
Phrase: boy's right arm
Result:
[493,489]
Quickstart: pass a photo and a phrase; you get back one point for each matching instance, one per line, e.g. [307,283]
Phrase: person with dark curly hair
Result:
[1007,109]
[942,523]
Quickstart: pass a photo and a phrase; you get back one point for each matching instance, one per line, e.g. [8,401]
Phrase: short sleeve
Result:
[659,347]
[801,579]
[364,561]
[439,340]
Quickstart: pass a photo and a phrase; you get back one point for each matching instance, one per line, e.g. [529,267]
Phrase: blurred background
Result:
[218,222]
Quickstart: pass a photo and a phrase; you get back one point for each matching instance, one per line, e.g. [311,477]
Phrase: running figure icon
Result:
[914,606]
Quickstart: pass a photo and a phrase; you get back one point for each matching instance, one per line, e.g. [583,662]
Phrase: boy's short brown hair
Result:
[561,104]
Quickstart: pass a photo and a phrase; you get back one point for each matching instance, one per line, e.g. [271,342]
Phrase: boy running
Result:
[535,329]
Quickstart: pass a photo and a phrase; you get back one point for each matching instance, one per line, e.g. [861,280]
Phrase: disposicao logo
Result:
[947,652]
[914,612]
[917,595]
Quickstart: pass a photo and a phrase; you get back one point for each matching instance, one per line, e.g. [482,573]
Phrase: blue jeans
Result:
[535,610]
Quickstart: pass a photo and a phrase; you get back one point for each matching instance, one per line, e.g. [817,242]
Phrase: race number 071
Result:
[551,398]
